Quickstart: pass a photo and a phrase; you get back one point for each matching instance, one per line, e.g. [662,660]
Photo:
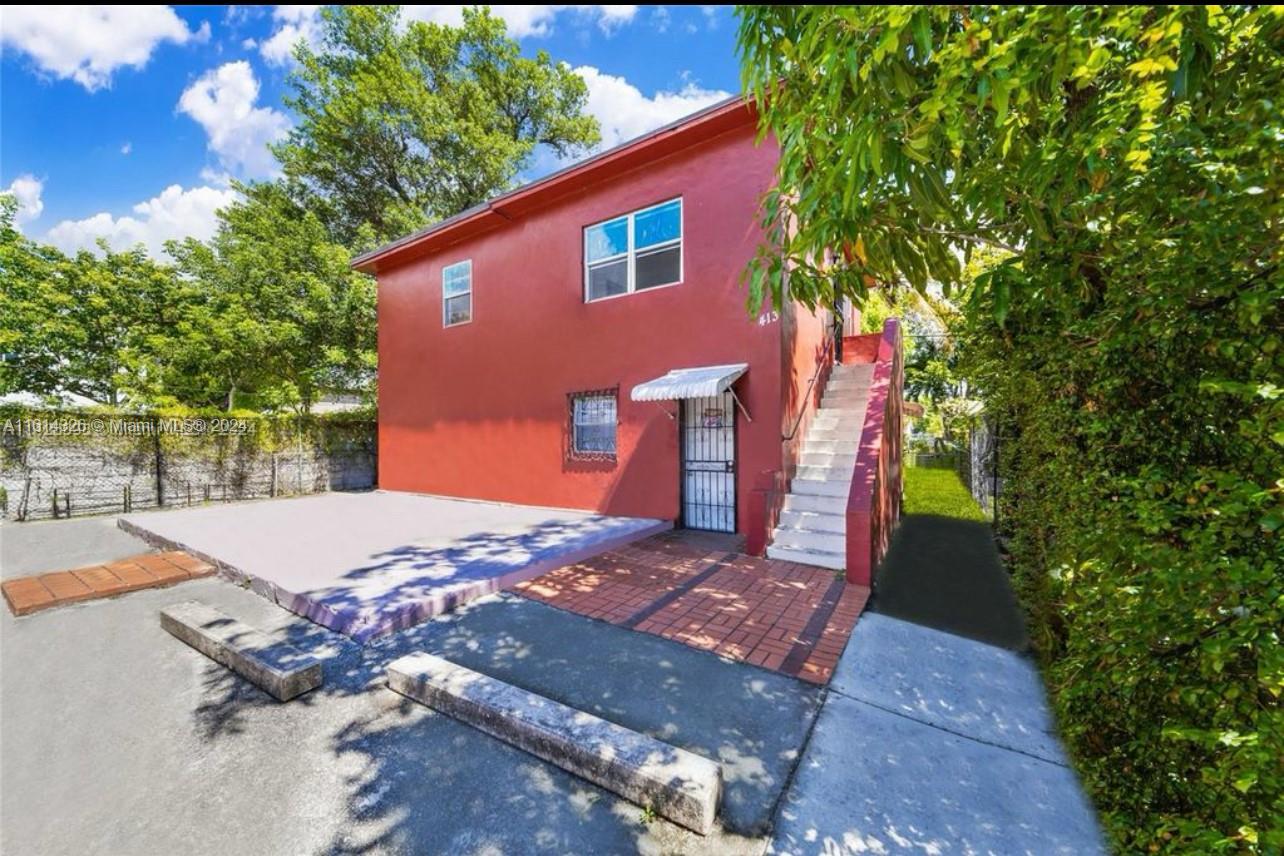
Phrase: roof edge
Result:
[368,262]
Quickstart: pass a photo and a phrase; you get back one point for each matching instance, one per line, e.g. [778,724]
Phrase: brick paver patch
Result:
[784,616]
[57,588]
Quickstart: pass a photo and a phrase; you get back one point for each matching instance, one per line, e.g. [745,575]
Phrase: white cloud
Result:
[174,214]
[88,43]
[222,101]
[303,23]
[27,189]
[126,148]
[296,24]
[624,112]
[528,21]
[660,19]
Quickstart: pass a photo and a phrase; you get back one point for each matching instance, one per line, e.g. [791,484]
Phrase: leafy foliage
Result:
[281,316]
[83,324]
[267,315]
[1127,160]
[399,124]
[403,123]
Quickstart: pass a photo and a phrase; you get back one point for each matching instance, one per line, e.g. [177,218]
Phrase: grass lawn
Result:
[939,491]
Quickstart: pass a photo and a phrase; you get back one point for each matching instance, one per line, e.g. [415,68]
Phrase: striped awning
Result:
[690,383]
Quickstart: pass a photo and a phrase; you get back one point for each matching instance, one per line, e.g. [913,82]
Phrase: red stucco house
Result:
[583,342]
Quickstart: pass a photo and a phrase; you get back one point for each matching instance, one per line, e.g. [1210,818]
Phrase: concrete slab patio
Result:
[366,564]
[168,752]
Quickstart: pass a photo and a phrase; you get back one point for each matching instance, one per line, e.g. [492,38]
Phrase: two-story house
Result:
[583,342]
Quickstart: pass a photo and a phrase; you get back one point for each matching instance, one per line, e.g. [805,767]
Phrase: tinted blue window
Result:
[608,239]
[657,225]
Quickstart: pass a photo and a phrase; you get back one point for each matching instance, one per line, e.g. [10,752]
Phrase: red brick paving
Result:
[751,609]
[149,570]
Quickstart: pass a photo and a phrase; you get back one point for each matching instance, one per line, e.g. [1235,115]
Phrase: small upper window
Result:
[457,294]
[634,252]
[593,424]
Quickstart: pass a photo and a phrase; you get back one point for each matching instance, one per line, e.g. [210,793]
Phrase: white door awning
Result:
[690,383]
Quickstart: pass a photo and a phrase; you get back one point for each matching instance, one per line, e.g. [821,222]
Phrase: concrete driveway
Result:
[117,738]
[56,545]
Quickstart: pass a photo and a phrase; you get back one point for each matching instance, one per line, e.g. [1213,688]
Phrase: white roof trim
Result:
[690,383]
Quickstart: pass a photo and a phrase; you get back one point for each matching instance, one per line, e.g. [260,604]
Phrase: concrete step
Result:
[840,431]
[830,415]
[853,370]
[828,459]
[789,538]
[818,503]
[825,472]
[836,561]
[815,521]
[677,784]
[821,487]
[844,445]
[846,385]
[855,412]
[844,398]
[275,667]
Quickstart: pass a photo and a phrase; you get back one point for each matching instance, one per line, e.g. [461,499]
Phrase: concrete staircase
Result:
[813,522]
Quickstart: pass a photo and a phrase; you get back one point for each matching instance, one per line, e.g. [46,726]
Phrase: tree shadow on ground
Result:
[424,782]
[945,573]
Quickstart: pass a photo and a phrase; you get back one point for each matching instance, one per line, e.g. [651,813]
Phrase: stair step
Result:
[831,430]
[845,445]
[815,502]
[825,472]
[815,521]
[821,487]
[807,539]
[846,460]
[835,561]
[851,401]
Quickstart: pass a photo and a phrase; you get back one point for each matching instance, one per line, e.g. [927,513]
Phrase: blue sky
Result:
[128,122]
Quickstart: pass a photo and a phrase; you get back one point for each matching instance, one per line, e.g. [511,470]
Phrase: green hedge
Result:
[1143,465]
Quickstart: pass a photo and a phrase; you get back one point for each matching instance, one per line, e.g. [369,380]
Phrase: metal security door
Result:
[709,463]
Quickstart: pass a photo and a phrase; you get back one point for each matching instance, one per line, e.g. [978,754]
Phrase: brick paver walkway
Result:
[784,616]
[148,570]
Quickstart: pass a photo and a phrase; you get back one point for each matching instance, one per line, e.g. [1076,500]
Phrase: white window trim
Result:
[444,297]
[631,253]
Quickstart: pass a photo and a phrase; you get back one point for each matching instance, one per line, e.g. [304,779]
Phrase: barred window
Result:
[593,424]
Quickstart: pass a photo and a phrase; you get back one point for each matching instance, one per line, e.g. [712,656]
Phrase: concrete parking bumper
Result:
[672,782]
[279,669]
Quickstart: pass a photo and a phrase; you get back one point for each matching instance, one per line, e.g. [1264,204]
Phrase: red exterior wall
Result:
[480,410]
[874,502]
[806,357]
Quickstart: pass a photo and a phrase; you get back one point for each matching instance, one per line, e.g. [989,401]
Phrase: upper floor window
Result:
[634,252]
[457,294]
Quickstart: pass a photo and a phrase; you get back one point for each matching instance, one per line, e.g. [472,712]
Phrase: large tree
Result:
[1128,160]
[402,123]
[84,324]
[281,318]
